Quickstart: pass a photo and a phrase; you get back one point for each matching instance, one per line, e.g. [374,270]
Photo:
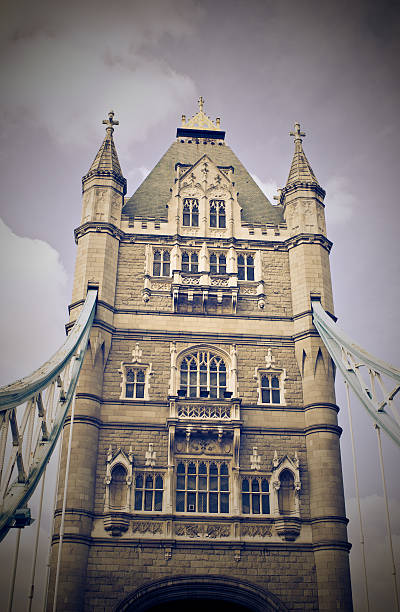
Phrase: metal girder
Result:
[32,414]
[376,383]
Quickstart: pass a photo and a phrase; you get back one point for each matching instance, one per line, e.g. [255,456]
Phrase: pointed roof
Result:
[153,195]
[300,171]
[106,161]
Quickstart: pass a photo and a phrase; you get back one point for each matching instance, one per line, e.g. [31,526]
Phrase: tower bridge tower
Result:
[205,458]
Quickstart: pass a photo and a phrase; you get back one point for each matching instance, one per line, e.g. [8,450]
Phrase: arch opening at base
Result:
[200,593]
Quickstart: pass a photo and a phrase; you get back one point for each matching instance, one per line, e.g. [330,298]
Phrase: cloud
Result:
[34,289]
[270,188]
[59,68]
[340,202]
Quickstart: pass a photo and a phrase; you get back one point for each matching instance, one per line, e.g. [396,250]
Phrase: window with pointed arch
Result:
[217,213]
[245,267]
[190,212]
[270,389]
[190,262]
[217,263]
[149,488]
[255,495]
[203,374]
[202,486]
[161,263]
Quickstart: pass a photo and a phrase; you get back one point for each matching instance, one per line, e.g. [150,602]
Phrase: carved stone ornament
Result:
[248,290]
[201,530]
[160,286]
[219,282]
[255,531]
[152,527]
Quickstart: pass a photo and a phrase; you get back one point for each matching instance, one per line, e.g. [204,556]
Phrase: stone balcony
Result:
[204,410]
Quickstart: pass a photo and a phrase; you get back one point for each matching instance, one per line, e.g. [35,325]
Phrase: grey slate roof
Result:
[153,194]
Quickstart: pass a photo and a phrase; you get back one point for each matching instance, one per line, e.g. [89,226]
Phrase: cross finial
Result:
[110,122]
[201,104]
[298,135]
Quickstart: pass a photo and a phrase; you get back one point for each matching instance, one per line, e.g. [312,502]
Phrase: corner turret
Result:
[302,197]
[104,186]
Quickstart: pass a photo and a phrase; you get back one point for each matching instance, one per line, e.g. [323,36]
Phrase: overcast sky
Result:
[260,65]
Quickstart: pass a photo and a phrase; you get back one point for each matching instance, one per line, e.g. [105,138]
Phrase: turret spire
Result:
[300,171]
[106,162]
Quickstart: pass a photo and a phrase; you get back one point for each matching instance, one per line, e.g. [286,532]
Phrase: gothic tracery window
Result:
[202,486]
[217,213]
[148,491]
[245,267]
[203,374]
[217,263]
[190,262]
[161,263]
[255,495]
[270,389]
[190,212]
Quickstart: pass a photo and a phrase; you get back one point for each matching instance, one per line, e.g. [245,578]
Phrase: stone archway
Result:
[208,593]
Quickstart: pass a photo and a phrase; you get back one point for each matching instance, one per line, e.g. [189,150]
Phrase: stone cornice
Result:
[323,428]
[308,185]
[329,519]
[334,407]
[309,239]
[98,227]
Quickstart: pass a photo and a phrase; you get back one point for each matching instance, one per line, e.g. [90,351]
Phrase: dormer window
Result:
[161,263]
[245,267]
[190,262]
[190,212]
[217,213]
[217,264]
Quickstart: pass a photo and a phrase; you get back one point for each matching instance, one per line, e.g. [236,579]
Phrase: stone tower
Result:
[205,466]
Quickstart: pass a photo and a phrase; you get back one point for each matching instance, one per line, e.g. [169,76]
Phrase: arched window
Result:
[202,486]
[255,496]
[161,263]
[190,262]
[217,213]
[190,212]
[203,374]
[135,380]
[118,488]
[270,390]
[286,499]
[245,267]
[217,264]
[148,491]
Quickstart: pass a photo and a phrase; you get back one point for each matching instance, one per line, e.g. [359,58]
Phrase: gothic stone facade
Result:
[205,452]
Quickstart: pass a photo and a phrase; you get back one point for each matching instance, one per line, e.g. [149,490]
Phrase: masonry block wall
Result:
[205,442]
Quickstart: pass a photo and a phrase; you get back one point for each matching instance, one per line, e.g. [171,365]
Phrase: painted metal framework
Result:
[375,383]
[32,414]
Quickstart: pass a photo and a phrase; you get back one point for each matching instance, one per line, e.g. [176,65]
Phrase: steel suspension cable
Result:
[362,542]
[14,571]
[32,589]
[389,530]
[61,534]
